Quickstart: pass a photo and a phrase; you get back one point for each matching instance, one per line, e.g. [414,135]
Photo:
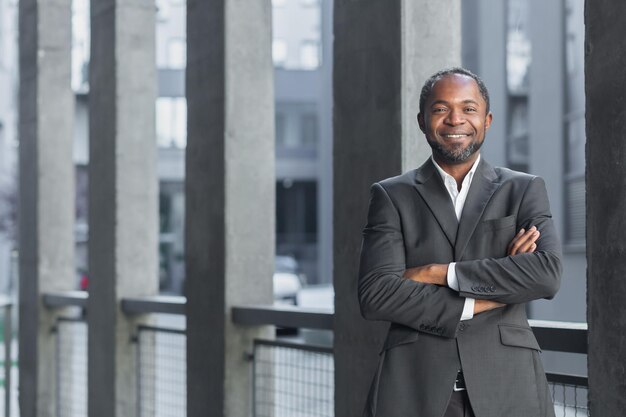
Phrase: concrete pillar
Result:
[46,215]
[123,195]
[383,53]
[606,204]
[230,192]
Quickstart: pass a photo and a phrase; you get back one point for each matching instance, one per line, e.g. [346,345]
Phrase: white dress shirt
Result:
[458,198]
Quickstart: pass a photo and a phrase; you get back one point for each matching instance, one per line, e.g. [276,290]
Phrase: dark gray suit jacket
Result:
[411,222]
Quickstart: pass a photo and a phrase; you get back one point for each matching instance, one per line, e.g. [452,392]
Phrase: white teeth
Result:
[455,136]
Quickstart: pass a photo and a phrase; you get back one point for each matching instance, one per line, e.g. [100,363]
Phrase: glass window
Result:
[518,61]
[296,211]
[171,118]
[80,45]
[518,46]
[279,52]
[177,53]
[297,40]
[574,124]
[308,126]
[309,54]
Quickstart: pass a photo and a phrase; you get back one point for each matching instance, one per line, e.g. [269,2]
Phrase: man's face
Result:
[455,119]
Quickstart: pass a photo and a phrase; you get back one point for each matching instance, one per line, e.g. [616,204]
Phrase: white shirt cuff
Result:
[468,309]
[453,282]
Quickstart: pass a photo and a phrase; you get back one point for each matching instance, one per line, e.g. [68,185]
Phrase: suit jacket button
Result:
[422,326]
[481,289]
[492,288]
[462,326]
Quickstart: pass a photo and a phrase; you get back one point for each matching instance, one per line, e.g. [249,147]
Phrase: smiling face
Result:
[455,120]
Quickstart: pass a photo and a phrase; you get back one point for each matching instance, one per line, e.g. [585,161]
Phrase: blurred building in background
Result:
[525,62]
[532,60]
[302,57]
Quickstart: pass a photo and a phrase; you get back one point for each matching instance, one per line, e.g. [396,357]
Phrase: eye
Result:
[439,110]
[470,109]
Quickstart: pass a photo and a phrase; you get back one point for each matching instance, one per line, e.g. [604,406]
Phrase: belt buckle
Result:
[459,383]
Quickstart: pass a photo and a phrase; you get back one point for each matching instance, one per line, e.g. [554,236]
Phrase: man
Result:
[451,253]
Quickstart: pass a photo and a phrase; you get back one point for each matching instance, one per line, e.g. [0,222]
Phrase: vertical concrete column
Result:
[46,216]
[606,204]
[230,196]
[123,195]
[383,53]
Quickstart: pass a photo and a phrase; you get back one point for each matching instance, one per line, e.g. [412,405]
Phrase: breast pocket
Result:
[494,225]
[496,234]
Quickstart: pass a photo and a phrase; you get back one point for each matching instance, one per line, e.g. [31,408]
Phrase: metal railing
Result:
[70,353]
[160,349]
[7,334]
[161,371]
[71,366]
[569,392]
[161,356]
[292,380]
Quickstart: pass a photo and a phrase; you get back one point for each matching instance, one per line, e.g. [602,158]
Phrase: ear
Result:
[420,122]
[488,120]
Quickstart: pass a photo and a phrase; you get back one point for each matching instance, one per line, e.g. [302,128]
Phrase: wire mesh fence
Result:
[292,380]
[162,376]
[569,394]
[71,367]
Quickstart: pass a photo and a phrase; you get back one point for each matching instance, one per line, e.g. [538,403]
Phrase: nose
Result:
[454,118]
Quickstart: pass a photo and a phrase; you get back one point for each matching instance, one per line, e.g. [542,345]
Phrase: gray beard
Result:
[455,155]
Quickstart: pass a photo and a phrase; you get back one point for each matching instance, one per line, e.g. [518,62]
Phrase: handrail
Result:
[566,379]
[65,299]
[560,336]
[165,304]
[131,305]
[554,336]
[284,316]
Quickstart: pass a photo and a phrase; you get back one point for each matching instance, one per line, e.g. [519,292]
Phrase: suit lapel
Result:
[433,192]
[482,188]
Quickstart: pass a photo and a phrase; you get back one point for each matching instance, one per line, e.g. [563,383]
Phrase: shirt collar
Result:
[445,175]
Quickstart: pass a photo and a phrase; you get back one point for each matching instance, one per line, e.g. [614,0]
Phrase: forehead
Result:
[456,88]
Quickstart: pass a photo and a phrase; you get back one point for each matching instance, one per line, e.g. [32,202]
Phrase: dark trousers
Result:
[459,405]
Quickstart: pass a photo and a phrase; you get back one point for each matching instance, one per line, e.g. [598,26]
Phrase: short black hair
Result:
[427,89]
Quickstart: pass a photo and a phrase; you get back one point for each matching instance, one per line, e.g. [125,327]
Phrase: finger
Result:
[523,243]
[520,241]
[515,238]
[527,245]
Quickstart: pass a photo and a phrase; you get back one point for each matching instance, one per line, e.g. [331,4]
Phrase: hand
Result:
[480,306]
[428,274]
[524,241]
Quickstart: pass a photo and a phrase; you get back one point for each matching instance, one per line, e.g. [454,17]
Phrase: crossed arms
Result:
[437,274]
[390,292]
